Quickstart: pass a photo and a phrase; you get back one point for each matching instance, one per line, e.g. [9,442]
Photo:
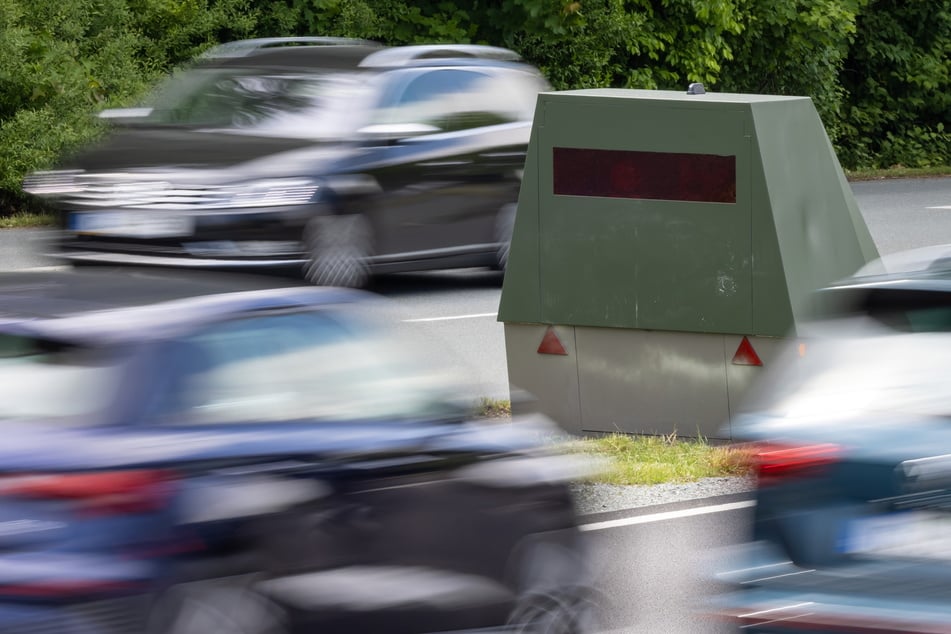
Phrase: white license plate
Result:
[132,224]
[916,534]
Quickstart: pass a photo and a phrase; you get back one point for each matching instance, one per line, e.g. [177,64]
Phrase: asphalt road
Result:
[654,566]
[906,214]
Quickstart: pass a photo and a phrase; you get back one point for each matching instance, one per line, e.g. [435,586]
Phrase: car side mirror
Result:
[392,132]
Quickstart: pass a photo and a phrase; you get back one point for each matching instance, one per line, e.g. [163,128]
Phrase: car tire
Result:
[338,250]
[548,614]
[553,596]
[504,227]
[217,605]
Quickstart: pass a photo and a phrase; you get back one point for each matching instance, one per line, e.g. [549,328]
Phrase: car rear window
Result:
[294,367]
[55,382]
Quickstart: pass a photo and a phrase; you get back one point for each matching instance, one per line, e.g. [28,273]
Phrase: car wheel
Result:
[550,614]
[338,250]
[201,607]
[553,596]
[504,226]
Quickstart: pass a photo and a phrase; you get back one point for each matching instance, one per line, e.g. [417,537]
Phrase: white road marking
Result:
[948,207]
[668,515]
[474,316]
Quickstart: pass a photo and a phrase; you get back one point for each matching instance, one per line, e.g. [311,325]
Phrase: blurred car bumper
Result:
[50,577]
[760,610]
[60,593]
[232,238]
[767,593]
[119,616]
[184,260]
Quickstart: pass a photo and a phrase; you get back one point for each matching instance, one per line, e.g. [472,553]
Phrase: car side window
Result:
[457,99]
[281,368]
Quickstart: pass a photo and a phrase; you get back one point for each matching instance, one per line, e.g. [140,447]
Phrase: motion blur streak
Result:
[851,530]
[193,454]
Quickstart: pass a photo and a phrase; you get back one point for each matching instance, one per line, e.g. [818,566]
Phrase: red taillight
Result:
[777,461]
[105,492]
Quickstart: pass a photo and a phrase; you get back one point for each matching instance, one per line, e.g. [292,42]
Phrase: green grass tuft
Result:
[633,459]
[26,220]
[898,172]
[493,408]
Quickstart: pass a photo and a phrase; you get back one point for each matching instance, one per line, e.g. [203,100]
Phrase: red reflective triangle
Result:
[745,355]
[551,344]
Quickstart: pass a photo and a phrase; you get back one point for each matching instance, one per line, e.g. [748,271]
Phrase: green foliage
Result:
[619,43]
[393,22]
[691,39]
[878,70]
[171,32]
[575,46]
[65,59]
[794,47]
[898,78]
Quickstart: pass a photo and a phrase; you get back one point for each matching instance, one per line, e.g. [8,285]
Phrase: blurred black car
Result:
[851,438]
[181,457]
[339,156]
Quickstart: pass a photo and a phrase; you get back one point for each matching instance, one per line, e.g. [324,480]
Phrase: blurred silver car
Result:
[851,440]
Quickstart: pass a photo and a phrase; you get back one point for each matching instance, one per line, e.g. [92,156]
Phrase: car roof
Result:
[99,307]
[334,57]
[347,54]
[438,53]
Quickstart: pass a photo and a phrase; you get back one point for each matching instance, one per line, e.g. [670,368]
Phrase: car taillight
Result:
[100,493]
[774,462]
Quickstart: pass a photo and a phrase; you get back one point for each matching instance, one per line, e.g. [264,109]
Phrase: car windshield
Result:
[53,382]
[329,105]
[296,367]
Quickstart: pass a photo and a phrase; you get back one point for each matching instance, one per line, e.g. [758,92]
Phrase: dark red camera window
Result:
[708,178]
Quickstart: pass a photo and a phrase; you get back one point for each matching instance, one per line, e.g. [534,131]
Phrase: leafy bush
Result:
[898,80]
[65,59]
[878,70]
[794,47]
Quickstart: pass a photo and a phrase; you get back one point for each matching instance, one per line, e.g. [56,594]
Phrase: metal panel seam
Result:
[574,335]
[538,213]
[726,381]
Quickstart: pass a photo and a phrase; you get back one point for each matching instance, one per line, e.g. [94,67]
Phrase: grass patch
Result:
[631,459]
[26,220]
[898,172]
[494,408]
[659,459]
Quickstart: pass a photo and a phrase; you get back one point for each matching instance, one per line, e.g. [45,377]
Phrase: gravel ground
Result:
[602,498]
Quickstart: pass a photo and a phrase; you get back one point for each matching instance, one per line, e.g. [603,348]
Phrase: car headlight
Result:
[47,183]
[269,193]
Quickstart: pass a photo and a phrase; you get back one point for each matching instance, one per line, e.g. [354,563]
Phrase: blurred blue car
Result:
[851,440]
[183,457]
